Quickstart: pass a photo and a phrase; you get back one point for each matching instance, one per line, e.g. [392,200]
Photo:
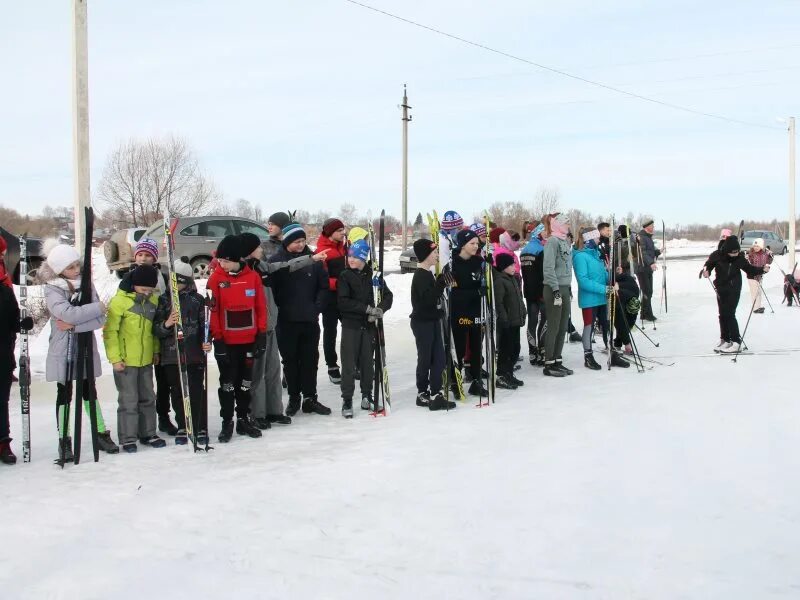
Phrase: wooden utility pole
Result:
[792,208]
[80,114]
[406,119]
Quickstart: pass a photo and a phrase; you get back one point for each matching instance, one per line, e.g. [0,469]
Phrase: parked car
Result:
[118,250]
[197,237]
[771,241]
[408,261]
[35,257]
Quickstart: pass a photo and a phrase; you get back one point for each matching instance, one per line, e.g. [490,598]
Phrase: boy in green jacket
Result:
[132,348]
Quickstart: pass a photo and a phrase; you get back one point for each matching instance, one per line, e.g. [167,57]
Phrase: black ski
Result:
[664,267]
[24,353]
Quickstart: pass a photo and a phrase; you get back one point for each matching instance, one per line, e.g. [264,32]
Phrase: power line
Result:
[560,72]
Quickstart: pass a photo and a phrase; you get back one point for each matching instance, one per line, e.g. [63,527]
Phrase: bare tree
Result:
[348,213]
[546,200]
[143,177]
[509,215]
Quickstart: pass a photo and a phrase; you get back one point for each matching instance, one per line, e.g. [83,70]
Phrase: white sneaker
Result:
[731,348]
[721,346]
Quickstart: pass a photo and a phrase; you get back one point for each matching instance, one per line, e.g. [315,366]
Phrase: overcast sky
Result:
[294,104]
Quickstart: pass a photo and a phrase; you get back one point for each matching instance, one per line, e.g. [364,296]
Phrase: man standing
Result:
[647,263]
[332,242]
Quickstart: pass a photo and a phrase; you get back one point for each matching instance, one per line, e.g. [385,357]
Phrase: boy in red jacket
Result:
[238,327]
[332,243]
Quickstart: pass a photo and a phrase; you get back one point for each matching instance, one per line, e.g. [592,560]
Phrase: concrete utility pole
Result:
[406,119]
[792,209]
[80,116]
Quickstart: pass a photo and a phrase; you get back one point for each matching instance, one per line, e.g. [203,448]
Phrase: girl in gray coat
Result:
[61,274]
[557,269]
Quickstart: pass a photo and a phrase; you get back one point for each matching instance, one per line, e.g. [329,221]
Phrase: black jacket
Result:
[354,292]
[300,294]
[628,288]
[9,327]
[648,253]
[193,319]
[465,297]
[508,300]
[532,268]
[728,278]
[427,296]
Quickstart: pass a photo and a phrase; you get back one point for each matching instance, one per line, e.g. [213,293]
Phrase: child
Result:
[193,323]
[132,349]
[727,262]
[510,307]
[427,312]
[791,286]
[508,244]
[300,296]
[332,242]
[61,273]
[239,330]
[758,257]
[531,260]
[359,314]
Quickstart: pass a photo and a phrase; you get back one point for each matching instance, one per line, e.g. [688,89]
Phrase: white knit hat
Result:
[60,257]
[758,243]
[183,270]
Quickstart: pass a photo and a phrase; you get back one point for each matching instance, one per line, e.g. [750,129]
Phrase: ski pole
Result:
[761,287]
[639,364]
[746,325]
[647,336]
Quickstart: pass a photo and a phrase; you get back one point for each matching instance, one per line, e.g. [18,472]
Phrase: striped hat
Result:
[478,228]
[451,221]
[292,232]
[148,245]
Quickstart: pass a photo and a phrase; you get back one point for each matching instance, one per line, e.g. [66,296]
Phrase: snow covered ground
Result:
[677,483]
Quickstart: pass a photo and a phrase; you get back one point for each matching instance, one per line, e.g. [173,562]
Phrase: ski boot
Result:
[202,438]
[106,444]
[476,388]
[515,381]
[245,426]
[334,375]
[575,337]
[562,368]
[279,419]
[366,402]
[347,408]
[293,406]
[65,450]
[166,426]
[617,360]
[312,405]
[423,399]
[590,363]
[551,370]
[226,433]
[181,439]
[262,423]
[7,457]
[129,448]
[504,383]
[153,441]
[438,402]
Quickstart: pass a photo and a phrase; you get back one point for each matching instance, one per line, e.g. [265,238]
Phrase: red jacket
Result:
[336,260]
[239,311]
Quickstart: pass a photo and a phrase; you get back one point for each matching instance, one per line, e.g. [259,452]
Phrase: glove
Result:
[26,324]
[261,344]
[557,298]
[373,311]
[446,279]
[220,352]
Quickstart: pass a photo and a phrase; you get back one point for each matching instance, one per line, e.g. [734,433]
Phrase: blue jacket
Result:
[590,271]
[534,246]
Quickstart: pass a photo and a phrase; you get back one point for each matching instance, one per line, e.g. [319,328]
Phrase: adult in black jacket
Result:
[648,255]
[727,263]
[300,296]
[9,328]
[359,315]
[465,302]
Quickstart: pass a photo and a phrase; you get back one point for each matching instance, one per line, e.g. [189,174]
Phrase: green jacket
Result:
[128,332]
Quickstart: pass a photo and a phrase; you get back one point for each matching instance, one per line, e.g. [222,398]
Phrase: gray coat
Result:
[557,263]
[85,318]
[271,247]
[647,251]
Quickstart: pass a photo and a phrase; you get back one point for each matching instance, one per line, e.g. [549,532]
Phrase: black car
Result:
[35,256]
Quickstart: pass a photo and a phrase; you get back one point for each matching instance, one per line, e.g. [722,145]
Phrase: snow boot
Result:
[617,360]
[504,383]
[293,406]
[130,448]
[334,375]
[65,450]
[347,408]
[476,388]
[153,441]
[561,367]
[181,438]
[731,348]
[438,402]
[312,405]
[366,402]
[423,399]
[515,381]
[226,433]
[575,337]
[262,423]
[106,444]
[279,419]
[7,457]
[166,426]
[721,346]
[202,438]
[590,363]
[245,426]
[551,370]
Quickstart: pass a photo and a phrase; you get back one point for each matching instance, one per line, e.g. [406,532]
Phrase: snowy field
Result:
[681,482]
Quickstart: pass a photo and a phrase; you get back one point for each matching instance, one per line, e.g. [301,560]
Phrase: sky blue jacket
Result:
[590,271]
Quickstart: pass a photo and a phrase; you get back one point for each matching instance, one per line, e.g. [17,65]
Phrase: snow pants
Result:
[430,355]
[195,375]
[136,414]
[299,346]
[464,335]
[235,379]
[64,397]
[267,391]
[755,293]
[330,324]
[537,318]
[508,349]
[557,320]
[727,301]
[645,278]
[357,353]
[163,392]
[6,369]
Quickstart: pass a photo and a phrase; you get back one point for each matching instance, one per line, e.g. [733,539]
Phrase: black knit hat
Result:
[230,248]
[464,236]
[731,244]
[281,219]
[623,231]
[423,248]
[145,275]
[249,241]
[503,261]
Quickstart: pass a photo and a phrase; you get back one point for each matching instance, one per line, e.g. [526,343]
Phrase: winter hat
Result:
[495,233]
[725,233]
[292,232]
[731,244]
[478,228]
[183,270]
[249,241]
[758,243]
[559,226]
[451,221]
[146,275]
[359,249]
[356,233]
[3,245]
[281,219]
[647,222]
[148,245]
[623,231]
[330,226]
[507,240]
[590,234]
[423,248]
[230,248]
[60,257]
[464,236]
[503,261]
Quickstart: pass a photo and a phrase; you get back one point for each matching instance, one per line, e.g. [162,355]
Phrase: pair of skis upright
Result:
[381,376]
[488,312]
